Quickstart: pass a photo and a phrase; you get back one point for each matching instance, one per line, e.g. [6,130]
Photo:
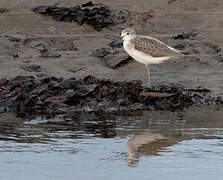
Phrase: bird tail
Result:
[178,54]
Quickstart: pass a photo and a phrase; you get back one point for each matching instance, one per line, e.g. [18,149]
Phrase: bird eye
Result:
[127,33]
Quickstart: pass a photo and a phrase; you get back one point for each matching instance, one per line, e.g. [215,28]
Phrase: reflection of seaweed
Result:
[102,128]
[96,15]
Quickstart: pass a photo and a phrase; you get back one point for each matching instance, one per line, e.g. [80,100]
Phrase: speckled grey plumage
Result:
[154,48]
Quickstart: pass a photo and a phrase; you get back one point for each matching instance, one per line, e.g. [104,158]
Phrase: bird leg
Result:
[148,75]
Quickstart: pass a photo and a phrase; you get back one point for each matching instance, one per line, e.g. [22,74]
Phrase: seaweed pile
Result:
[47,95]
[97,15]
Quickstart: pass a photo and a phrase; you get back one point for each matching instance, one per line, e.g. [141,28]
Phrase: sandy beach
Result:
[202,68]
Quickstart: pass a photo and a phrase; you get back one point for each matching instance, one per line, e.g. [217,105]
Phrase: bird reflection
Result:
[146,143]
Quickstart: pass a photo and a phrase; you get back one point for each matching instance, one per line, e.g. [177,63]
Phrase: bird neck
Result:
[128,38]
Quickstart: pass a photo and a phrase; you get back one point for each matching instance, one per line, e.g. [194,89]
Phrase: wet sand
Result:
[202,69]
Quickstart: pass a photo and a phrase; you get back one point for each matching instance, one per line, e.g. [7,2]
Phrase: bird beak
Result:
[122,35]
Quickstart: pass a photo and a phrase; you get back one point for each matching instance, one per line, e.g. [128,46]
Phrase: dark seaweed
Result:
[47,95]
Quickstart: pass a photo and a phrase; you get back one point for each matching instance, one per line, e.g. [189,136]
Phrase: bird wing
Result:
[154,47]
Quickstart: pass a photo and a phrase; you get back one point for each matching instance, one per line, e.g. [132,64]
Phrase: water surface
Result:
[136,145]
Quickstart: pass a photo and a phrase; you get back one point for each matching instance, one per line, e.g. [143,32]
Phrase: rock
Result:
[31,68]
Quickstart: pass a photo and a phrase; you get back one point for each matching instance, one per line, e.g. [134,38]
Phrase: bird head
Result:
[128,33]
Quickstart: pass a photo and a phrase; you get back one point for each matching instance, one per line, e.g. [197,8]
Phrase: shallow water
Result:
[145,145]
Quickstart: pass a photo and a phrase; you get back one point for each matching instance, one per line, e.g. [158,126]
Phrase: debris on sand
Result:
[100,53]
[47,95]
[179,46]
[219,57]
[97,15]
[17,37]
[199,49]
[116,58]
[211,48]
[75,69]
[48,54]
[66,45]
[170,1]
[112,57]
[26,47]
[31,68]
[148,15]
[116,44]
[190,35]
[3,10]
